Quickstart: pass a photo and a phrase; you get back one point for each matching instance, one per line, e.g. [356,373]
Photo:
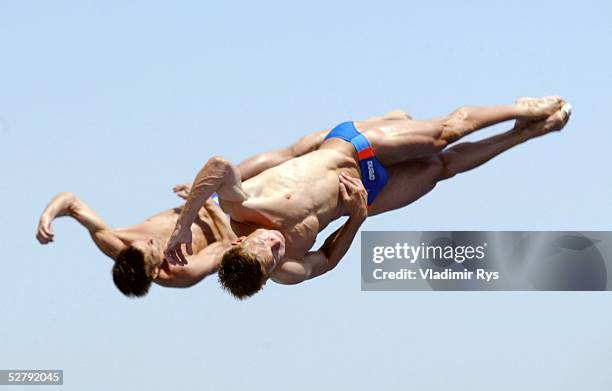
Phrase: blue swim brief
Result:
[373,175]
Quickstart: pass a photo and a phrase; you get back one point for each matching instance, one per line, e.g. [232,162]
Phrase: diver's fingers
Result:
[356,181]
[42,239]
[350,179]
[171,257]
[181,257]
[349,183]
[343,192]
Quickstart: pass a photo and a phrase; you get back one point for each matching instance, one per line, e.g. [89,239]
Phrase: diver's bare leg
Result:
[410,181]
[467,156]
[261,162]
[398,141]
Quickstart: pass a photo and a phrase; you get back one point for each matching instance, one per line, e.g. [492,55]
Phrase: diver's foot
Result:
[536,109]
[539,108]
[554,122]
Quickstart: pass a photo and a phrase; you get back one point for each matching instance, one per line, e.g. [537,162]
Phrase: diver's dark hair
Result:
[241,273]
[131,274]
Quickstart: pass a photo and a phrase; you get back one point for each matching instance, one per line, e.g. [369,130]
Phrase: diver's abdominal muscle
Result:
[314,175]
[303,186]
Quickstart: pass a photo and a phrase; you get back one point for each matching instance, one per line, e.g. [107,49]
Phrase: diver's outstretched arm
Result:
[67,204]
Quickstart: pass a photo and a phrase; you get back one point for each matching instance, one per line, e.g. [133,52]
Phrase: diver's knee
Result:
[457,123]
[434,166]
[448,160]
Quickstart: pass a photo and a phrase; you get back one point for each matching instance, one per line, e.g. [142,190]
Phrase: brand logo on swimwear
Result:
[371,175]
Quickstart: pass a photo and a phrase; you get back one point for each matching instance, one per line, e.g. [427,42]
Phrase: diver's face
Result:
[267,244]
[152,249]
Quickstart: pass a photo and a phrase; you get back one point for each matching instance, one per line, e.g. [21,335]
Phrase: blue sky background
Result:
[118,101]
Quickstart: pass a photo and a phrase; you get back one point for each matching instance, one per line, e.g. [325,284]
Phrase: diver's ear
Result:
[238,240]
[275,253]
[156,271]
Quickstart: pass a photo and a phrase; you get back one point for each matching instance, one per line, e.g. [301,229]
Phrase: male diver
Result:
[138,250]
[358,169]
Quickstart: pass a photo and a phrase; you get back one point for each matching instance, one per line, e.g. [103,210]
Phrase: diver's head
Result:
[137,265]
[248,264]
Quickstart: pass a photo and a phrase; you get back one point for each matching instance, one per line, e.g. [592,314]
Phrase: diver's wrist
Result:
[358,217]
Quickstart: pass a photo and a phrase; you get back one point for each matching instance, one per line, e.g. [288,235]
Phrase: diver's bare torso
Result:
[211,225]
[299,198]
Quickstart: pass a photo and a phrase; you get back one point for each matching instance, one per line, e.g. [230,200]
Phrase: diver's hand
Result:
[61,205]
[44,232]
[354,196]
[174,252]
[182,190]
